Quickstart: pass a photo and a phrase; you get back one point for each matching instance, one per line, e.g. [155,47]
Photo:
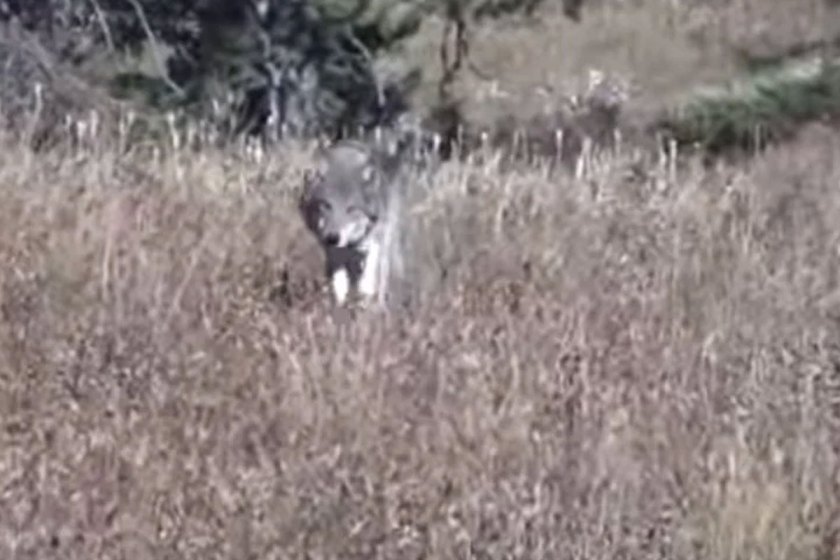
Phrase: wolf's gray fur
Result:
[352,206]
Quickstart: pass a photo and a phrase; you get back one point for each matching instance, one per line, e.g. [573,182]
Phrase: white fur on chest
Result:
[357,268]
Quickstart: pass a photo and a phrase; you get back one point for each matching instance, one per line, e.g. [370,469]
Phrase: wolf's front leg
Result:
[340,281]
[368,283]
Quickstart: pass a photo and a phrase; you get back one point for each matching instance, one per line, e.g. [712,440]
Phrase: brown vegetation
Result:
[640,362]
[621,366]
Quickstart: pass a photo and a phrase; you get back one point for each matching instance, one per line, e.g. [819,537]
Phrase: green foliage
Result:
[300,66]
[147,89]
[764,109]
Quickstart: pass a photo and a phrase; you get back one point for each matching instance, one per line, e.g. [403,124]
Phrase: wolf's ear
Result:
[309,176]
[304,186]
[305,189]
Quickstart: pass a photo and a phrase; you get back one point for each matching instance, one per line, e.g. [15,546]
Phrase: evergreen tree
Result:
[288,66]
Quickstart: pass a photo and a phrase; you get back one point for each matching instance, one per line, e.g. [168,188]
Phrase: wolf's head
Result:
[339,203]
[336,222]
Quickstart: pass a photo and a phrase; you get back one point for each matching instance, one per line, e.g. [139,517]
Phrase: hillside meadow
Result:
[637,361]
[641,362]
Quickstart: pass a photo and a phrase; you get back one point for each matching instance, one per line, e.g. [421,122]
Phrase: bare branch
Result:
[380,94]
[103,23]
[159,62]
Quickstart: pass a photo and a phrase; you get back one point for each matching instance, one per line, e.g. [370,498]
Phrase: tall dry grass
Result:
[639,363]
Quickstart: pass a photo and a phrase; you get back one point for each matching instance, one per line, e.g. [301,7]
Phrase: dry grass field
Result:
[639,363]
[622,366]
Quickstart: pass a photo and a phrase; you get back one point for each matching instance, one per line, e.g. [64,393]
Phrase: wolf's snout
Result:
[332,239]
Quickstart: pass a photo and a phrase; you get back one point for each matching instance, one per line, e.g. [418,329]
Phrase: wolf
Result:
[351,204]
